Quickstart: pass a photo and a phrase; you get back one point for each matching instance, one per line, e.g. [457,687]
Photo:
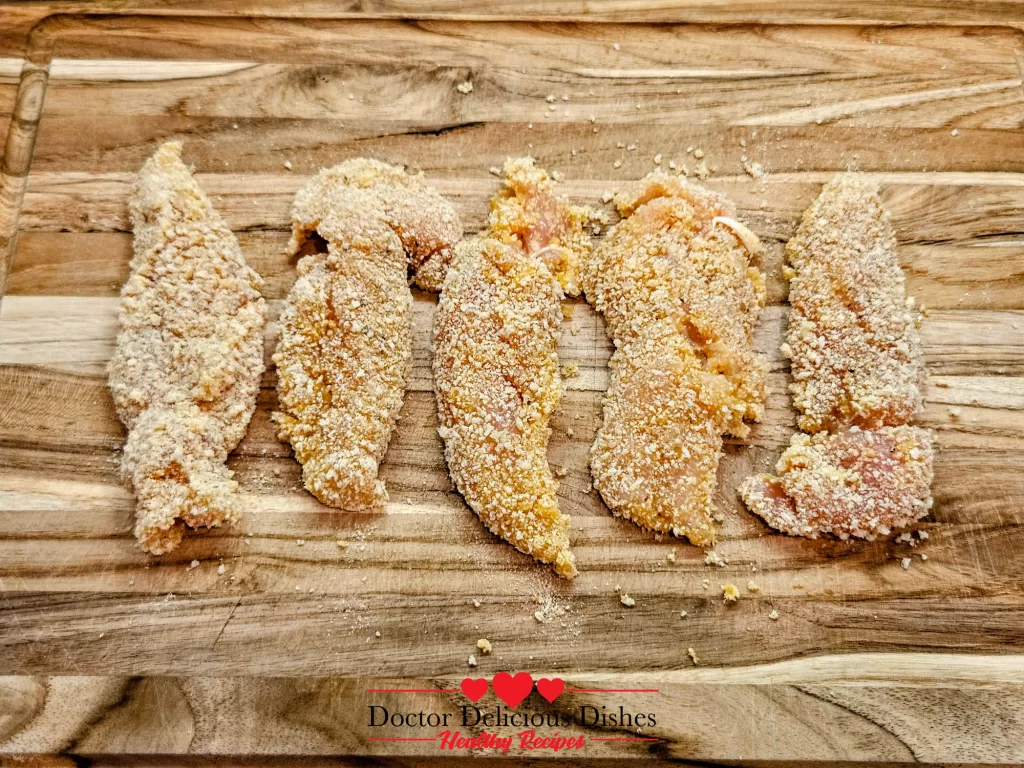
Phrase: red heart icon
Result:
[474,689]
[550,689]
[512,690]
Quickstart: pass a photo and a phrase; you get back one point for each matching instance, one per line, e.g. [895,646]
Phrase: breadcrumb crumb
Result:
[730,592]
[626,600]
[713,558]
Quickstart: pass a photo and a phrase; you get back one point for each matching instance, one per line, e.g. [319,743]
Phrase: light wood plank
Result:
[983,275]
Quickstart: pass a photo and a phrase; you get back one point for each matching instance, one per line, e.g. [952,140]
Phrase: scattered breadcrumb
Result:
[905,562]
[754,170]
[683,614]
[954,412]
[626,600]
[657,159]
[752,586]
[713,558]
[549,610]
[671,556]
[476,603]
[471,661]
[773,615]
[342,544]
[617,164]
[730,592]
[607,197]
[288,164]
[693,656]
[193,565]
[464,87]
[484,645]
[221,569]
[300,542]
[698,153]
[702,171]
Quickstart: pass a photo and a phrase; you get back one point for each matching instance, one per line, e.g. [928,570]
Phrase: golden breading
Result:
[496,363]
[858,482]
[346,328]
[857,369]
[189,356]
[680,298]
[854,347]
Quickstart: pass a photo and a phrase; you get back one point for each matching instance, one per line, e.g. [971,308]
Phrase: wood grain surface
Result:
[263,639]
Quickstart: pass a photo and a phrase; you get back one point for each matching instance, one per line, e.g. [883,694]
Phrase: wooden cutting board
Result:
[268,638]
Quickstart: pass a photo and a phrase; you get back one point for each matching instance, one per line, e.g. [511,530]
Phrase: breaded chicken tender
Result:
[853,343]
[857,370]
[189,356]
[346,328]
[680,298]
[861,483]
[496,361]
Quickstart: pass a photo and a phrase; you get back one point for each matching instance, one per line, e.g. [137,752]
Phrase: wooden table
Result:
[266,640]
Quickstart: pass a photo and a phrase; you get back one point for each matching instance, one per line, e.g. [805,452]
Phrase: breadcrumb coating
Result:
[496,361]
[861,483]
[853,343]
[857,370]
[346,329]
[189,356]
[680,299]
